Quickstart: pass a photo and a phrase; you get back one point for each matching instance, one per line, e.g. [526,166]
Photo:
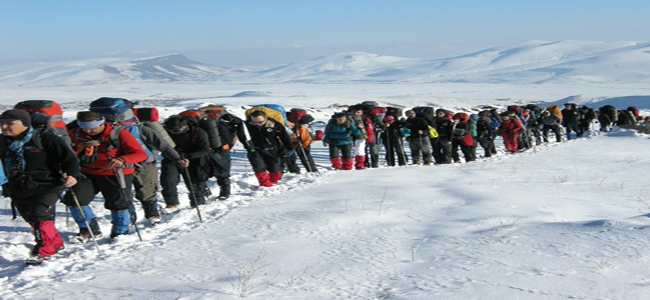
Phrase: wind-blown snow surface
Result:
[559,221]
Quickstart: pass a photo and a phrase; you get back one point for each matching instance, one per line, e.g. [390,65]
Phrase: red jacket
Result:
[513,125]
[129,150]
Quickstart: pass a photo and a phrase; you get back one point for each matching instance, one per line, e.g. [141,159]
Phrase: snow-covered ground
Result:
[560,221]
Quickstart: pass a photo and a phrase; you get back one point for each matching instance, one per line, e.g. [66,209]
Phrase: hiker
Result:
[391,137]
[361,142]
[442,145]
[570,118]
[302,140]
[485,133]
[509,130]
[339,134]
[269,142]
[462,139]
[193,147]
[38,166]
[419,139]
[552,122]
[584,122]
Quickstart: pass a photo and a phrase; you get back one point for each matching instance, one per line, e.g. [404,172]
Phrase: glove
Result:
[289,153]
[88,155]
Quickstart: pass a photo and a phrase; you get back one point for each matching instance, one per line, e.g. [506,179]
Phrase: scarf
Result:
[14,161]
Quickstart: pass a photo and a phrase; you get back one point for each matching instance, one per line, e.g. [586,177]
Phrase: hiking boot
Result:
[84,235]
[154,220]
[36,260]
[169,209]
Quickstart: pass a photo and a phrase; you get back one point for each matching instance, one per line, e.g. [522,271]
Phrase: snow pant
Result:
[290,164]
[114,200]
[571,127]
[534,132]
[266,164]
[420,147]
[39,211]
[555,129]
[394,147]
[359,153]
[510,141]
[145,184]
[441,150]
[345,160]
[469,152]
[583,126]
[372,154]
[487,143]
[81,211]
[605,122]
[304,153]
[170,176]
[222,162]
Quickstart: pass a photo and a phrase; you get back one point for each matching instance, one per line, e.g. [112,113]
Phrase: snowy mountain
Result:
[530,62]
[166,68]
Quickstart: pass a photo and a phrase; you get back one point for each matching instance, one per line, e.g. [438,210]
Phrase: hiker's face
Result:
[258,121]
[94,130]
[13,128]
[341,120]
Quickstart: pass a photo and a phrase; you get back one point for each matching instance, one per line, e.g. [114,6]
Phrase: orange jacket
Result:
[300,133]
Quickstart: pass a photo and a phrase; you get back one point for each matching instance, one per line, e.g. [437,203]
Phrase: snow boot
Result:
[336,163]
[274,177]
[47,238]
[263,178]
[347,163]
[224,188]
[360,162]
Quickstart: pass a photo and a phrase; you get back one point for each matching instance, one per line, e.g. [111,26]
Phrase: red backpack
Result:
[46,114]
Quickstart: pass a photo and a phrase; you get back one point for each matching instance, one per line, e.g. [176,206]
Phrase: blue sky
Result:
[253,32]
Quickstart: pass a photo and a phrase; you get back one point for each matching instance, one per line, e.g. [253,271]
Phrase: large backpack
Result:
[113,109]
[46,114]
[427,112]
[200,119]
[394,111]
[280,116]
[610,111]
[151,118]
[299,116]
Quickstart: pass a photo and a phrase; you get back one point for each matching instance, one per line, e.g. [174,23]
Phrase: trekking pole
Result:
[119,174]
[83,214]
[190,187]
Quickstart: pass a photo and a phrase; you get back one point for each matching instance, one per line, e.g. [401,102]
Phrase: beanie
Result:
[16,114]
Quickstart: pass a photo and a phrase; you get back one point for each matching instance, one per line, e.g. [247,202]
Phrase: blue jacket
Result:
[340,134]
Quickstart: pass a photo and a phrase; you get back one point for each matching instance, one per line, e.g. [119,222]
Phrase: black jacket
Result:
[43,166]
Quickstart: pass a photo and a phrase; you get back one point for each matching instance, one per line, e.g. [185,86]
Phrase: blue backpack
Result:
[3,177]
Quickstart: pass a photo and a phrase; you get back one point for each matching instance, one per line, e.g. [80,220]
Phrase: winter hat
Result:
[440,110]
[388,118]
[16,114]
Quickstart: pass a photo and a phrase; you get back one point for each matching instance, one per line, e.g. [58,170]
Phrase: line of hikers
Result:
[113,149]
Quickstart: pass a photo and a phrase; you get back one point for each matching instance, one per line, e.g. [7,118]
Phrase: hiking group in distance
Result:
[114,148]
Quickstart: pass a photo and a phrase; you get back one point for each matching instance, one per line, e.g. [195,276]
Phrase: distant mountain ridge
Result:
[533,62]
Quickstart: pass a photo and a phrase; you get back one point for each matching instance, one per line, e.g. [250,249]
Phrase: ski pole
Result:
[190,187]
[119,174]
[83,214]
